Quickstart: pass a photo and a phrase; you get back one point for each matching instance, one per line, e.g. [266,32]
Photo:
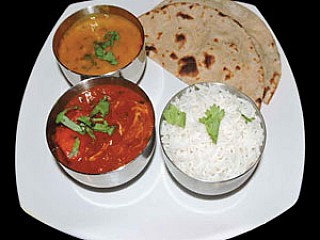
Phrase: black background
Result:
[27,28]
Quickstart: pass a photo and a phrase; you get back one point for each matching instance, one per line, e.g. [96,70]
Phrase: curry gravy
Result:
[78,47]
[130,113]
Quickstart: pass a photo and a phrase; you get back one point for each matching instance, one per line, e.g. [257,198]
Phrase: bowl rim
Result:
[238,93]
[84,86]
[91,10]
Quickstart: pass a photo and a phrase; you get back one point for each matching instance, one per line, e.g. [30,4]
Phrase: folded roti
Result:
[198,43]
[260,34]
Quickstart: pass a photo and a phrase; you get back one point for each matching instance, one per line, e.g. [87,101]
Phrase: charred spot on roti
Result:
[163,7]
[273,79]
[265,90]
[269,90]
[237,22]
[159,35]
[261,73]
[258,102]
[208,60]
[233,46]
[221,14]
[190,7]
[184,16]
[150,49]
[228,73]
[180,39]
[188,66]
[173,56]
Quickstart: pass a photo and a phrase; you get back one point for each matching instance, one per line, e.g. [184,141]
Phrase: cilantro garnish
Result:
[102,107]
[75,148]
[62,118]
[247,119]
[95,122]
[174,116]
[212,121]
[103,49]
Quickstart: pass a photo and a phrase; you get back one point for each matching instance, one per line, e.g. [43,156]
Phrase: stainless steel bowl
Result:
[207,187]
[133,71]
[110,179]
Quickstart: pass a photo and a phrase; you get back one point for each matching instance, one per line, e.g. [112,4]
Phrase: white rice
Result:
[191,148]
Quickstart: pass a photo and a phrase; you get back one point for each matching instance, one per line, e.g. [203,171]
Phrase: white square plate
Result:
[154,206]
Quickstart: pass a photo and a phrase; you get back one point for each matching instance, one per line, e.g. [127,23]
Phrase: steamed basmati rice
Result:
[191,148]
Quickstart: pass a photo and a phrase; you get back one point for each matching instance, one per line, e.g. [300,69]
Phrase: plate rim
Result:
[284,61]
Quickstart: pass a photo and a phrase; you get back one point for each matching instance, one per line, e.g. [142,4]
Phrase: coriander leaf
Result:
[75,148]
[72,125]
[97,120]
[63,119]
[90,133]
[110,130]
[111,36]
[103,49]
[109,57]
[60,116]
[247,119]
[99,50]
[104,127]
[174,116]
[86,124]
[212,121]
[100,127]
[102,107]
[86,120]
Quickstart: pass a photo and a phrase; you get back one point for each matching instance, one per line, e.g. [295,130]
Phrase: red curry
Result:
[113,124]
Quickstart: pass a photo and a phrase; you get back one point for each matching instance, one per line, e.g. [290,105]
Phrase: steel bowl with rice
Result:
[212,138]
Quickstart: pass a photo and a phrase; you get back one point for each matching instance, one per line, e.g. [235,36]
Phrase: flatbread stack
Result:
[214,41]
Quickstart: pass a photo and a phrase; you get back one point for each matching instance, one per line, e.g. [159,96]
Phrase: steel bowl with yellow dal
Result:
[100,40]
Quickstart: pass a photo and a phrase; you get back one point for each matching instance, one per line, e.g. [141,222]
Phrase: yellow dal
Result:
[78,42]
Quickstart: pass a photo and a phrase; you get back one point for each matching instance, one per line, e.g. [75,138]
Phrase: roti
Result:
[199,43]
